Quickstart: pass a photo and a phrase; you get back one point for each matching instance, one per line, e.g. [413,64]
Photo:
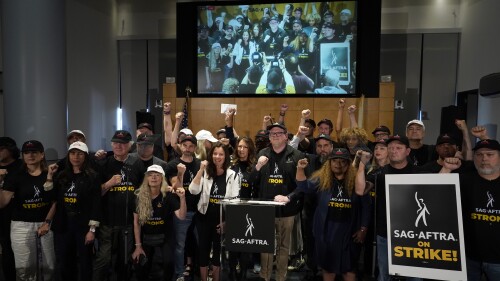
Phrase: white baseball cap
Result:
[80,146]
[186,131]
[415,121]
[156,168]
[75,132]
[205,135]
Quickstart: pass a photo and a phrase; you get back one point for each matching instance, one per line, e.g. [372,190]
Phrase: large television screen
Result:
[263,48]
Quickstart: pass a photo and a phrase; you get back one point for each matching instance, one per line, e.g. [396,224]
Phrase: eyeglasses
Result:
[276,134]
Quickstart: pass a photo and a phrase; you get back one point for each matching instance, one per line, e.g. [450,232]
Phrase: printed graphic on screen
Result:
[277,48]
[424,226]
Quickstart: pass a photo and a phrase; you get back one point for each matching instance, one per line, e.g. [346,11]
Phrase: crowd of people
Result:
[257,49]
[127,213]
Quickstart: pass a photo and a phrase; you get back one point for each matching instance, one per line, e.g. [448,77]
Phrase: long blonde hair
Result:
[201,152]
[144,206]
[324,177]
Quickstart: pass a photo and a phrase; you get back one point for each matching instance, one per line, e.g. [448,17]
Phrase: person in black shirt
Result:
[399,149]
[121,175]
[184,228]
[153,224]
[33,202]
[480,193]
[78,214]
[214,183]
[420,153]
[9,164]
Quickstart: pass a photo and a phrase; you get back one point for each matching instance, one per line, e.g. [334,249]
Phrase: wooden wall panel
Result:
[205,112]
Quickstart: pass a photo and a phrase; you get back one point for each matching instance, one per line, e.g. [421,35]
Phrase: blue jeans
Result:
[476,268]
[181,229]
[383,261]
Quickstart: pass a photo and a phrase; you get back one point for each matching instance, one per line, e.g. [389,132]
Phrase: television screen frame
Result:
[192,18]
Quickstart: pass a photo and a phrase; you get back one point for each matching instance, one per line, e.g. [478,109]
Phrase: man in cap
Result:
[147,129]
[228,41]
[276,80]
[274,173]
[381,132]
[345,27]
[180,172]
[272,42]
[446,146]
[420,153]
[480,194]
[9,164]
[121,175]
[398,148]
[145,147]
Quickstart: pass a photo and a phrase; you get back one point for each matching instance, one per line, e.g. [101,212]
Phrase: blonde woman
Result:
[153,222]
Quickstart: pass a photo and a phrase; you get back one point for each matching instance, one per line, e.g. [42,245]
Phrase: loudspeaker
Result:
[489,85]
[448,116]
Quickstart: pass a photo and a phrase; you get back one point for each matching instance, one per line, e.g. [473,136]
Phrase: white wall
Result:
[92,72]
[479,53]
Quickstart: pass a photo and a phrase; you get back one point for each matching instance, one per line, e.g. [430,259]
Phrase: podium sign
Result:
[424,226]
[249,228]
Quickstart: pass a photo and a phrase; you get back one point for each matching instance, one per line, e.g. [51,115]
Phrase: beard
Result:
[488,171]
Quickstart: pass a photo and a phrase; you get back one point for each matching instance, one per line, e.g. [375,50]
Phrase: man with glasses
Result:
[274,173]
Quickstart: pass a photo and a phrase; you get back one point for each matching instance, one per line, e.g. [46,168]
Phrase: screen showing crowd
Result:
[294,48]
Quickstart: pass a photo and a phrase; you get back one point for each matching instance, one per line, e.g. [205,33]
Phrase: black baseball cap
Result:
[145,125]
[262,133]
[7,142]
[445,138]
[188,137]
[279,125]
[324,137]
[121,136]
[490,144]
[381,128]
[401,139]
[32,145]
[328,13]
[340,153]
[328,25]
[146,139]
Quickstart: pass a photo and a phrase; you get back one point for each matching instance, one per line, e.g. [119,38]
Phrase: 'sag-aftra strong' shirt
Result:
[31,202]
[119,200]
[163,211]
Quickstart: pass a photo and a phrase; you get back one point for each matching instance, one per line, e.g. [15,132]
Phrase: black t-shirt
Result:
[70,194]
[31,203]
[422,155]
[339,206]
[163,211]
[191,170]
[246,186]
[481,216]
[379,181]
[119,200]
[217,193]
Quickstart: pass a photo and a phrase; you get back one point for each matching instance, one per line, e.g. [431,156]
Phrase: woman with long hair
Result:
[78,214]
[215,181]
[153,221]
[214,71]
[205,141]
[34,203]
[243,160]
[243,48]
[341,217]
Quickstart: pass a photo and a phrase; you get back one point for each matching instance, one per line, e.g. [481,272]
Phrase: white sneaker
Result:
[180,279]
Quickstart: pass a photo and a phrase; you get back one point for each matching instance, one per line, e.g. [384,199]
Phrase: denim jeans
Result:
[476,268]
[181,229]
[383,261]
[23,236]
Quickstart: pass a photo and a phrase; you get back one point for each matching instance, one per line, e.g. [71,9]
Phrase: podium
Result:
[249,225]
